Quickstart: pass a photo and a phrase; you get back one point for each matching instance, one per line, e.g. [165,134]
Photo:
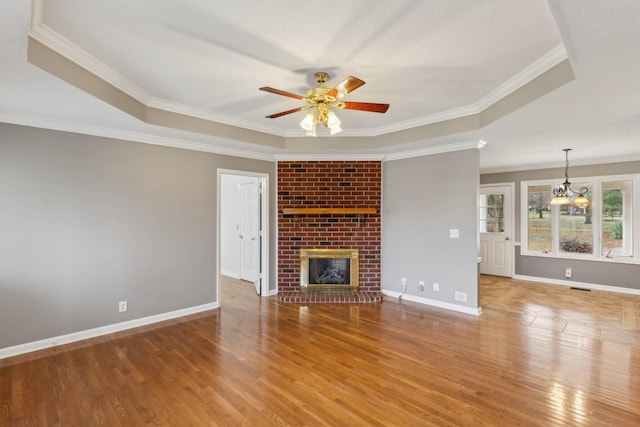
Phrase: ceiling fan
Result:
[321,99]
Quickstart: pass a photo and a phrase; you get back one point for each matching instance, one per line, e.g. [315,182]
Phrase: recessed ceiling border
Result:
[47,37]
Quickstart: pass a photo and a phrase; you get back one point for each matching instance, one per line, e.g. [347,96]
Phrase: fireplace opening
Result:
[329,268]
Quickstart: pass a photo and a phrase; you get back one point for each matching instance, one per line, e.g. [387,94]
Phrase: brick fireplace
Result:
[331,187]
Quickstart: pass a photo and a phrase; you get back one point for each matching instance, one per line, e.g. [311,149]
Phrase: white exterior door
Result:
[250,233]
[496,229]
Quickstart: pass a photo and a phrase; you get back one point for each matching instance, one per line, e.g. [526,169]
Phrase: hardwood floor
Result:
[540,355]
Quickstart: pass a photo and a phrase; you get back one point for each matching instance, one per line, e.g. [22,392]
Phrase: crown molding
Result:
[328,157]
[83,129]
[437,149]
[558,164]
[539,67]
[72,52]
[59,125]
[187,110]
[63,46]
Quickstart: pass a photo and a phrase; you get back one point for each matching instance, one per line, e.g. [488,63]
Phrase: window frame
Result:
[597,214]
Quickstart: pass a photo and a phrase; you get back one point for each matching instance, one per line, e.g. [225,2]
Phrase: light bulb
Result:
[333,120]
[581,200]
[560,200]
[307,122]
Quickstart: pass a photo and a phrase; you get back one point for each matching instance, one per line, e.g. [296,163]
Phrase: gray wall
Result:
[86,222]
[423,198]
[594,272]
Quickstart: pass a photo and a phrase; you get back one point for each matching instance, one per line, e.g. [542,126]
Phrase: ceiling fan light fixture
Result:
[320,101]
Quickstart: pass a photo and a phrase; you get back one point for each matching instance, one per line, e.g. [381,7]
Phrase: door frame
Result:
[509,212]
[264,227]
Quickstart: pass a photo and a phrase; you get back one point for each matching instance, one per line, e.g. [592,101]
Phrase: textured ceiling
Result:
[433,61]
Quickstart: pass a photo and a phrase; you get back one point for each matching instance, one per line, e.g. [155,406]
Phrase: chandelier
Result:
[561,193]
[323,115]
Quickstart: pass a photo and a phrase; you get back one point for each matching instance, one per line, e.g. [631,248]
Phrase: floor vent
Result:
[580,289]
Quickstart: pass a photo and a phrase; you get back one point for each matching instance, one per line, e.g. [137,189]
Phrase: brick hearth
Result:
[333,297]
[328,184]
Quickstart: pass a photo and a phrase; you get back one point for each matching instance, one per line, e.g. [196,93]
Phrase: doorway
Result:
[496,229]
[243,236]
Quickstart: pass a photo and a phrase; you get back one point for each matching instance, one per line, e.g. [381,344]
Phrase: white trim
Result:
[578,162]
[434,303]
[510,216]
[124,135]
[438,149]
[36,14]
[593,286]
[187,110]
[453,114]
[596,208]
[75,54]
[327,157]
[39,31]
[264,212]
[229,274]
[265,236]
[539,67]
[102,330]
[131,136]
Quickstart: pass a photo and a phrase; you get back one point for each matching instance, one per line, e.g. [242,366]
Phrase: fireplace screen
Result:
[329,268]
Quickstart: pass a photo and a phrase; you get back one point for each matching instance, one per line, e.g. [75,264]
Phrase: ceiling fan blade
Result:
[344,87]
[364,106]
[284,113]
[281,92]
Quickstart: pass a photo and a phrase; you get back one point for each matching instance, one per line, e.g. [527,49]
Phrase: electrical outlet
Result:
[421,285]
[461,296]
[454,233]
[436,287]
[122,306]
[403,281]
[567,272]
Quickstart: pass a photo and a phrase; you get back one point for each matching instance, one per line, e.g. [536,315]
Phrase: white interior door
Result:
[250,233]
[496,230]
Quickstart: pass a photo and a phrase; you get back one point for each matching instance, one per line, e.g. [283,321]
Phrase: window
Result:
[491,213]
[539,218]
[617,218]
[576,224]
[603,230]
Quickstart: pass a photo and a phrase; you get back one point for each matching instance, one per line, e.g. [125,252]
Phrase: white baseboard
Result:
[271,293]
[573,283]
[435,303]
[229,274]
[102,330]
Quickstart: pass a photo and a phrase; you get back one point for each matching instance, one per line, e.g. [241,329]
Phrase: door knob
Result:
[507,238]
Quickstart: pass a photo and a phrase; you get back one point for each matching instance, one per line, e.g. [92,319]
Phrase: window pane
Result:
[576,228]
[492,213]
[539,218]
[617,218]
